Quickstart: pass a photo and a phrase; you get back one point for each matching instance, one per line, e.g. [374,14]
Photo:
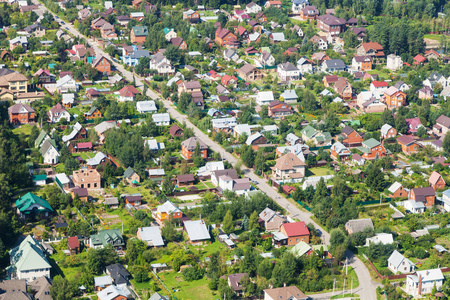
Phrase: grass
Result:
[182,289]
[84,155]
[355,296]
[200,186]
[209,184]
[23,129]
[207,249]
[320,171]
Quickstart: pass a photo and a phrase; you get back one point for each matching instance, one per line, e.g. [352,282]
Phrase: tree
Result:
[401,125]
[265,269]
[337,237]
[228,223]
[446,142]
[260,161]
[61,289]
[375,179]
[387,118]
[245,223]
[169,231]
[193,273]
[173,54]
[248,156]
[98,259]
[167,186]
[253,222]
[185,100]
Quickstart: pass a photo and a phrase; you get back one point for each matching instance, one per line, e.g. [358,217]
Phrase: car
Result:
[56,17]
[319,232]
[67,28]
[255,182]
[62,22]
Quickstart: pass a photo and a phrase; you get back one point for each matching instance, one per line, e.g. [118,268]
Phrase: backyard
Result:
[182,289]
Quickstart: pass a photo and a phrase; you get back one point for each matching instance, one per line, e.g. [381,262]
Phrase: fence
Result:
[384,200]
[213,190]
[322,147]
[304,205]
[165,287]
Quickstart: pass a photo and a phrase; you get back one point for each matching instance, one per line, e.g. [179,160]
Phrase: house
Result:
[234,282]
[14,82]
[93,113]
[266,59]
[442,125]
[276,37]
[82,193]
[284,293]
[44,76]
[154,145]
[426,195]
[102,282]
[343,87]
[21,113]
[289,96]
[185,180]
[18,41]
[317,137]
[131,176]
[73,244]
[188,147]
[394,62]
[66,84]
[298,5]
[295,232]
[224,124]
[320,42]
[413,124]
[175,131]
[146,107]
[119,274]
[350,137]
[250,73]
[305,66]
[42,137]
[331,24]
[225,38]
[30,205]
[372,149]
[435,78]
[106,237]
[372,49]
[397,263]
[436,181]
[196,231]
[87,178]
[166,210]
[289,168]
[380,238]
[127,93]
[229,180]
[28,261]
[292,139]
[252,8]
[309,12]
[169,33]
[49,152]
[179,43]
[354,226]
[157,296]
[39,180]
[264,98]
[362,63]
[68,100]
[102,64]
[279,110]
[287,72]
[329,80]
[138,34]
[339,150]
[230,55]
[394,98]
[414,207]
[272,220]
[57,113]
[387,131]
[209,167]
[333,65]
[191,15]
[426,93]
[133,200]
[132,59]
[161,119]
[396,190]
[358,159]
[423,282]
[409,144]
[256,139]
[419,60]
[378,86]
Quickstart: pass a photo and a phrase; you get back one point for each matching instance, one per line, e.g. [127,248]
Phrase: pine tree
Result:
[228,224]
[245,223]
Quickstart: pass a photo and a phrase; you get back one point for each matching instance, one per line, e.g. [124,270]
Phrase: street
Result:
[366,288]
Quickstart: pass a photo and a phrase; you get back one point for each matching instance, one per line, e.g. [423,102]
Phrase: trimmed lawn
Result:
[207,250]
[320,171]
[209,184]
[194,290]
[200,186]
[84,155]
[23,129]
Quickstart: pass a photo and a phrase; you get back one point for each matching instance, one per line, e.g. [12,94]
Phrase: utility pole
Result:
[334,285]
[343,289]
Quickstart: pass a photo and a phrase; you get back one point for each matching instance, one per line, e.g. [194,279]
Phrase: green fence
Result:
[317,148]
[384,200]
[304,205]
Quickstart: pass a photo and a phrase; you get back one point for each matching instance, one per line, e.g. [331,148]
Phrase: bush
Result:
[193,273]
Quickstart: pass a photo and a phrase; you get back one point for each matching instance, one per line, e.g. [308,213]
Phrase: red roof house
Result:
[436,181]
[419,59]
[295,232]
[73,244]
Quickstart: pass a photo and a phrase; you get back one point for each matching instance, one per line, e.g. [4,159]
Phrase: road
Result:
[366,288]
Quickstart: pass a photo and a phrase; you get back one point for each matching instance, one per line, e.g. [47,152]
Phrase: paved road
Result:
[367,287]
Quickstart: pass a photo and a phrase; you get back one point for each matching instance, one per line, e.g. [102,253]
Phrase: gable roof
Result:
[191,143]
[29,199]
[371,143]
[295,229]
[394,187]
[288,162]
[385,128]
[396,259]
[434,178]
[128,173]
[443,120]
[197,230]
[29,256]
[151,235]
[359,225]
[405,139]
[17,108]
[286,293]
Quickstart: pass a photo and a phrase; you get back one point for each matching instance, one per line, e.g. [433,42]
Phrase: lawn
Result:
[23,129]
[182,289]
[200,186]
[320,171]
[84,155]
[208,249]
[209,184]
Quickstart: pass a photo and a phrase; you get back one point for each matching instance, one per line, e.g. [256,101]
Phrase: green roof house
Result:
[39,179]
[131,176]
[28,261]
[319,138]
[30,204]
[308,133]
[300,249]
[107,237]
[373,149]
[43,136]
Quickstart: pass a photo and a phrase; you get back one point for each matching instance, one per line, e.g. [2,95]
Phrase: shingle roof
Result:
[405,139]
[295,229]
[286,293]
[371,143]
[191,143]
[288,162]
[359,225]
[19,107]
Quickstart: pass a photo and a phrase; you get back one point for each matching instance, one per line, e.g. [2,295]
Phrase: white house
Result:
[230,55]
[383,238]
[289,96]
[49,152]
[161,64]
[229,180]
[422,282]
[415,207]
[287,72]
[252,8]
[146,107]
[57,113]
[394,62]
[28,261]
[169,33]
[66,84]
[154,145]
[266,59]
[446,200]
[224,124]
[264,98]
[397,263]
[209,167]
[161,119]
[305,66]
[298,5]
